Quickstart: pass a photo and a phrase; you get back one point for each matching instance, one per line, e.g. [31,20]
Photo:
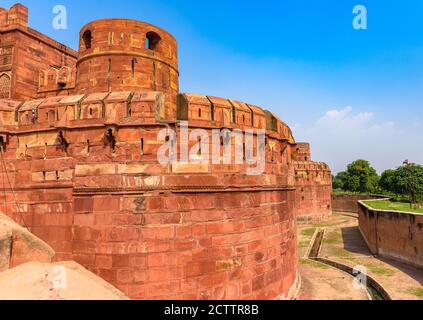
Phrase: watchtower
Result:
[128,55]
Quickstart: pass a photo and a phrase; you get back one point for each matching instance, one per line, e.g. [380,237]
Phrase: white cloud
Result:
[341,136]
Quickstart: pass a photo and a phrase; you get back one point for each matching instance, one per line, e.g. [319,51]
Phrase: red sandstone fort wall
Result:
[179,231]
[33,64]
[313,182]
[80,169]
[394,235]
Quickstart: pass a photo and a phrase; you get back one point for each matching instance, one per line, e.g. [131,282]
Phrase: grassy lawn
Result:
[393,205]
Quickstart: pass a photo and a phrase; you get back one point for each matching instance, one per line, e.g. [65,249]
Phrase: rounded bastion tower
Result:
[128,55]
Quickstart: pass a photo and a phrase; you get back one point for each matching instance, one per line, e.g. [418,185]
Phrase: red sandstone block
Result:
[241,250]
[257,245]
[183,232]
[62,257]
[207,215]
[225,240]
[246,288]
[54,233]
[232,291]
[172,218]
[154,204]
[61,247]
[156,259]
[84,220]
[158,233]
[139,261]
[120,261]
[83,247]
[119,234]
[206,242]
[125,276]
[251,236]
[141,276]
[164,273]
[108,275]
[82,233]
[180,258]
[225,227]
[258,283]
[155,246]
[58,219]
[204,201]
[272,276]
[109,204]
[83,205]
[199,269]
[103,218]
[84,259]
[212,280]
[163,289]
[185,244]
[103,262]
[199,230]
[136,291]
[189,284]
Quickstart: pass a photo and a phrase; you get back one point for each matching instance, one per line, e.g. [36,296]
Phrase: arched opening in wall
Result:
[5,86]
[152,39]
[87,39]
[199,113]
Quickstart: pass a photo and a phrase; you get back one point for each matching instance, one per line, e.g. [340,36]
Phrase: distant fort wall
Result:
[313,182]
[350,202]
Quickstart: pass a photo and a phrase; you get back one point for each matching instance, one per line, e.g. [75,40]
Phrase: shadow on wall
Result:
[353,241]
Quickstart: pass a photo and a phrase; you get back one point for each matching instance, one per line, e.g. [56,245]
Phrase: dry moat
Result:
[344,243]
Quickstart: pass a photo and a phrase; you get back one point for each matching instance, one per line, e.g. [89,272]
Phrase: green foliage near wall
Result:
[359,177]
[405,180]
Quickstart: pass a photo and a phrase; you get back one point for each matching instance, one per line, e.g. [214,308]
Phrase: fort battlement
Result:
[80,138]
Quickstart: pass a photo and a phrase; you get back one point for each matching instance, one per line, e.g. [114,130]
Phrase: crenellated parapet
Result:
[127,125]
[17,15]
[206,110]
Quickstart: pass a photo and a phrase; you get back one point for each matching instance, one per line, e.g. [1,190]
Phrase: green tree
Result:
[362,177]
[339,181]
[387,180]
[405,180]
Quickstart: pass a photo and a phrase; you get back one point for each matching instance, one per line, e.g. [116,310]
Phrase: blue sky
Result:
[351,93]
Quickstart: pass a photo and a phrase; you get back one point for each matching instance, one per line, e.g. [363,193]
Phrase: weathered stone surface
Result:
[59,281]
[18,245]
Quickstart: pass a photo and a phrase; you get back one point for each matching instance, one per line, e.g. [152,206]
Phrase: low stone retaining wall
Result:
[392,234]
[349,203]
